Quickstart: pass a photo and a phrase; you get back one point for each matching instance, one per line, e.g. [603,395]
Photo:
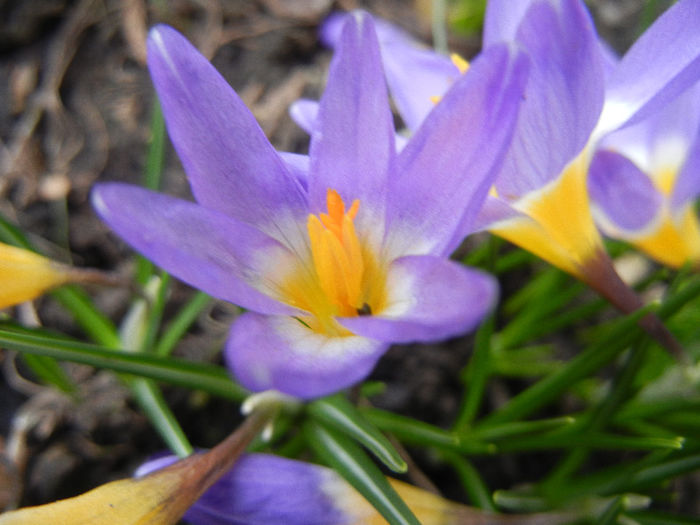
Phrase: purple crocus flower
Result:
[576,94]
[335,266]
[264,489]
[645,178]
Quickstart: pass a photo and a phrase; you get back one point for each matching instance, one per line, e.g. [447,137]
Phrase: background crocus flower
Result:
[576,94]
[25,275]
[542,201]
[338,266]
[645,178]
[267,489]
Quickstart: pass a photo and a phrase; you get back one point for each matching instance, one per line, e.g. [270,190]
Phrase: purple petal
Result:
[230,164]
[442,176]
[493,211]
[281,353]
[265,490]
[332,28]
[563,97]
[663,62]
[625,195]
[415,73]
[305,113]
[298,166]
[502,20]
[353,143]
[687,186]
[430,298]
[208,250]
[664,146]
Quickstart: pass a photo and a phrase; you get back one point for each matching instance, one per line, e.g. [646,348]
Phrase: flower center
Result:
[343,277]
[337,255]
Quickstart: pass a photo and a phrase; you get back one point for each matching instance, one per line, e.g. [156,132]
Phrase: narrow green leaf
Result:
[196,376]
[151,177]
[420,433]
[155,313]
[622,389]
[151,401]
[638,476]
[611,513]
[11,234]
[90,319]
[622,335]
[181,323]
[479,494]
[652,475]
[156,149]
[650,517]
[352,463]
[521,428]
[50,372]
[338,413]
[597,440]
[476,375]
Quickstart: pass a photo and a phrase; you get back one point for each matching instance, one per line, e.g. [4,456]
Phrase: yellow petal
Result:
[559,226]
[25,275]
[673,242]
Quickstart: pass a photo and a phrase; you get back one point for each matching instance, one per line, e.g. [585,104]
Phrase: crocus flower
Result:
[645,178]
[266,489]
[576,94]
[335,264]
[25,275]
[542,201]
[159,497]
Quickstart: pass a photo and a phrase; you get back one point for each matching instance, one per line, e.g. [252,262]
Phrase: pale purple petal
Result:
[353,142]
[264,489]
[298,166]
[211,251]
[442,176]
[304,112]
[331,29]
[610,58]
[687,186]
[563,97]
[230,163]
[624,194]
[429,298]
[494,210]
[502,20]
[281,353]
[663,62]
[414,72]
[662,141]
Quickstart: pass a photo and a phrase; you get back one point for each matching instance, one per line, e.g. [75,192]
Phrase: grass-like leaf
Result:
[350,461]
[196,376]
[338,413]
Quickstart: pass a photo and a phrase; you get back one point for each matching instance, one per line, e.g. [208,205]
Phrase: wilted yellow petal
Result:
[154,499]
[25,275]
[160,498]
